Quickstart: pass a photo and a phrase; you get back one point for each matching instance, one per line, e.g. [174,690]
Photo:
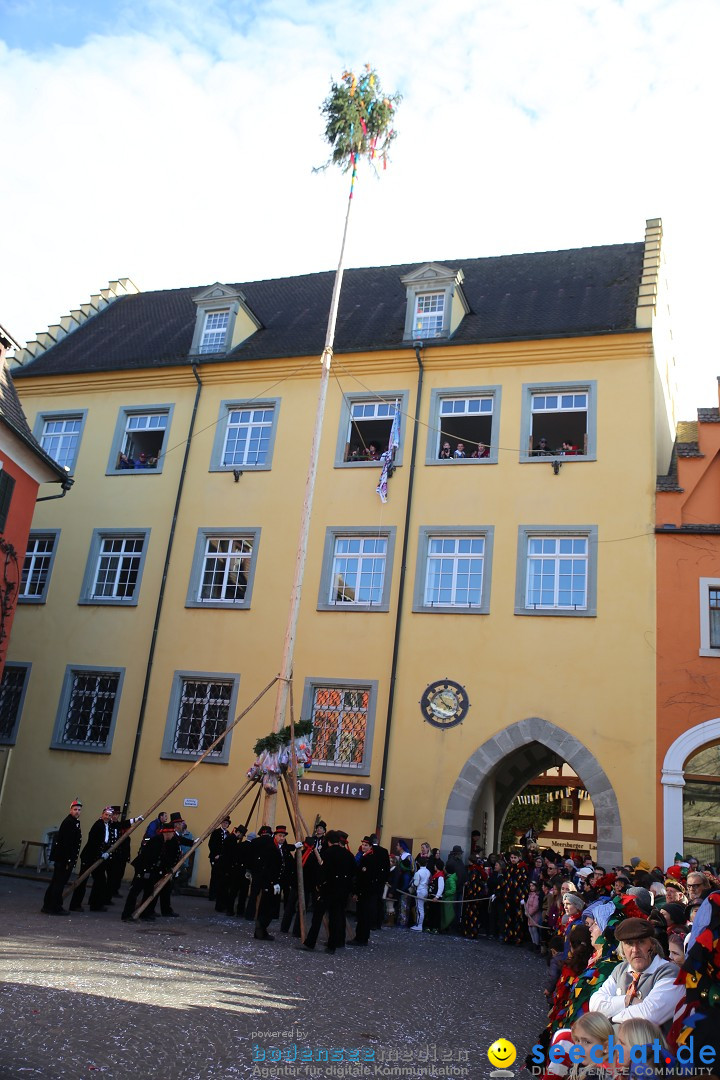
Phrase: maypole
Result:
[358,125]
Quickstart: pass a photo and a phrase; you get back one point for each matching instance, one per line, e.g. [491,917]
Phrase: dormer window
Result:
[223,321]
[429,314]
[435,302]
[215,332]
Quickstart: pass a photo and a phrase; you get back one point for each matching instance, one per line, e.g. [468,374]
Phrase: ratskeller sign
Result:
[341,789]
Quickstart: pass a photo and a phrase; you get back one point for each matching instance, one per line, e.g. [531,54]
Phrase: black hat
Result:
[176,817]
[265,830]
[116,809]
[281,829]
[320,825]
[242,829]
[677,912]
[367,840]
[341,834]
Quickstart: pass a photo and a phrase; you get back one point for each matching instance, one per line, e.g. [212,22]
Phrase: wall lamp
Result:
[237,473]
[556,466]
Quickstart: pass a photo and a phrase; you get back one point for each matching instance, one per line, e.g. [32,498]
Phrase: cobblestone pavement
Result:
[189,998]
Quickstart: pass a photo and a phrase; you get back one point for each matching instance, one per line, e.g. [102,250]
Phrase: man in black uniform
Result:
[98,841]
[63,854]
[365,886]
[219,863]
[237,882]
[382,856]
[149,864]
[266,864]
[337,875]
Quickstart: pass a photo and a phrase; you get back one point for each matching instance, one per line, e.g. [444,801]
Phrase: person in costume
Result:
[473,918]
[96,848]
[514,890]
[447,914]
[698,1016]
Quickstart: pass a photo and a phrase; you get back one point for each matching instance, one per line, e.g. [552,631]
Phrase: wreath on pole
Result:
[359,119]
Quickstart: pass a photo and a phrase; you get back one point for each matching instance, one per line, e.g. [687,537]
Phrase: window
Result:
[88,709]
[559,420]
[201,706]
[357,568]
[214,333]
[463,426]
[700,796]
[245,435]
[12,697]
[453,570]
[59,435]
[140,441]
[429,314]
[115,567]
[709,617]
[343,714]
[367,420]
[223,568]
[37,567]
[557,571]
[7,486]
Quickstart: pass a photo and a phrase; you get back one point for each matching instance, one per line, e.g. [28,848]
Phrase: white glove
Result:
[522,901]
[493,896]
[276,890]
[138,818]
[105,855]
[248,875]
[299,845]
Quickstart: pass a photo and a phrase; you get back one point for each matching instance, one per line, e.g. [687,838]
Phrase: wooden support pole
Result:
[128,833]
[225,812]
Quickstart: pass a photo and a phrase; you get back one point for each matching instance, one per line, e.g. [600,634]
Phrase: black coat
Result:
[383,863]
[96,842]
[149,858]
[337,874]
[67,843]
[265,861]
[219,844]
[367,874]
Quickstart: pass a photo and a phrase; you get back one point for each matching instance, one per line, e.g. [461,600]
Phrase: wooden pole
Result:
[286,667]
[225,812]
[128,833]
[298,869]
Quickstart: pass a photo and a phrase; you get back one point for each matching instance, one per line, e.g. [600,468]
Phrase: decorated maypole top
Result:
[359,120]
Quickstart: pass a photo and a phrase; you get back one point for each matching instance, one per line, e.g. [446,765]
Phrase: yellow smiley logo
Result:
[502,1053]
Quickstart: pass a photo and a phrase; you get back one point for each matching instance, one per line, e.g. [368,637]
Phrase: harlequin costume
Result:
[699,1015]
[514,888]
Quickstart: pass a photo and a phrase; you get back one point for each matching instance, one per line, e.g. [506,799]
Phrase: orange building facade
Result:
[688,644]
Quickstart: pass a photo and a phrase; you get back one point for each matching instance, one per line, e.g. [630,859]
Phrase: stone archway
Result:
[512,758]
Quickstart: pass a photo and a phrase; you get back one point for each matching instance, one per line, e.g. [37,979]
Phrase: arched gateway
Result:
[500,768]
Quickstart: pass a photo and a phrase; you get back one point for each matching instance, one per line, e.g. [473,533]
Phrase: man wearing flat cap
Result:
[643,986]
[64,852]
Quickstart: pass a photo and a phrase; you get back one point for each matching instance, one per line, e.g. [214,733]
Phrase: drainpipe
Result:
[161,594]
[418,345]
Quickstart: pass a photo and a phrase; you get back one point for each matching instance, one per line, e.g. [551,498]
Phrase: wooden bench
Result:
[42,862]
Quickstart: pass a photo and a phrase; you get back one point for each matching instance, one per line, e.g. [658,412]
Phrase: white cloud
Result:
[179,148]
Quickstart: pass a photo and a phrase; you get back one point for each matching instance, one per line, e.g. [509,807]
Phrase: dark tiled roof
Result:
[511,298]
[668,483]
[699,529]
[688,449]
[709,416]
[11,414]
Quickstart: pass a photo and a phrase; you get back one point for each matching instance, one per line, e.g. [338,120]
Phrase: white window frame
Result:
[214,337]
[200,556]
[36,535]
[180,680]
[437,433]
[44,418]
[72,672]
[331,556]
[218,461]
[123,432]
[527,533]
[369,686]
[459,533]
[706,648]
[90,581]
[533,391]
[430,323]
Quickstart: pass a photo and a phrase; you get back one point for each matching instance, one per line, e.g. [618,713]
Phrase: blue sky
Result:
[174,142]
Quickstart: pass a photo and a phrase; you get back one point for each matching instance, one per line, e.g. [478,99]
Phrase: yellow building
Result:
[495,616]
